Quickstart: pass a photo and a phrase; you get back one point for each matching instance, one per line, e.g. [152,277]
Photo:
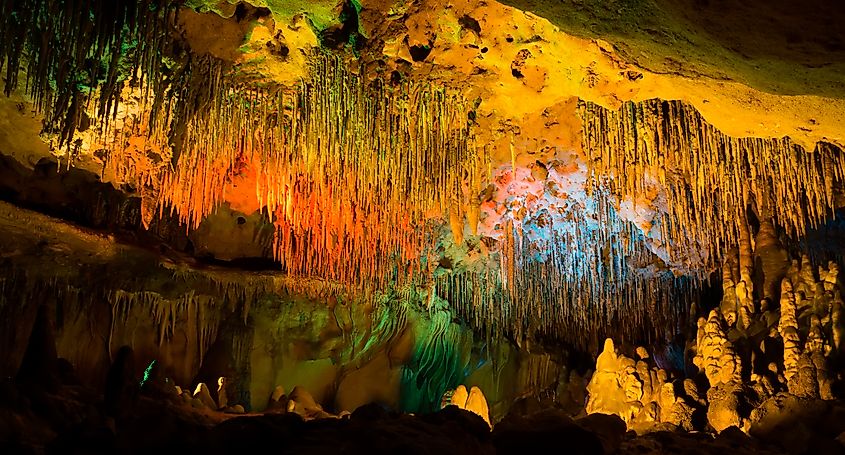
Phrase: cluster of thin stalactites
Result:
[358,174]
[709,179]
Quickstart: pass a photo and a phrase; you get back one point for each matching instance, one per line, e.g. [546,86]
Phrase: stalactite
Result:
[348,168]
[196,312]
[576,279]
[709,178]
[352,170]
[538,372]
[74,54]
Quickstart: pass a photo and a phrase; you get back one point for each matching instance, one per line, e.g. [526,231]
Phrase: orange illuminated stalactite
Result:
[239,189]
[348,173]
[329,235]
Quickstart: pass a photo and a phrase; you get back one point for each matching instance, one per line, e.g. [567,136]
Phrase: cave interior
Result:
[381,226]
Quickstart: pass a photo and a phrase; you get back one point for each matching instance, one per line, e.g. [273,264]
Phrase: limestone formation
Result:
[222,398]
[459,397]
[381,200]
[790,355]
[278,393]
[278,401]
[723,410]
[477,404]
[474,401]
[788,329]
[637,392]
[836,320]
[715,354]
[202,394]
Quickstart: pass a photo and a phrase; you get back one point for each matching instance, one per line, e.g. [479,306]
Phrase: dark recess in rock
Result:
[346,32]
[420,52]
[244,12]
[469,23]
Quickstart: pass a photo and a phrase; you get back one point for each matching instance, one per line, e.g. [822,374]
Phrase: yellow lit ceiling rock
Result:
[519,62]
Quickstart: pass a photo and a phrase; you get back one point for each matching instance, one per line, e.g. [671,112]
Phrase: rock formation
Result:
[325,220]
[785,353]
[474,401]
[222,396]
[202,394]
[715,354]
[640,394]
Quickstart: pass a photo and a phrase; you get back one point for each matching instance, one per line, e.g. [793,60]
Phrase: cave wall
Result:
[261,330]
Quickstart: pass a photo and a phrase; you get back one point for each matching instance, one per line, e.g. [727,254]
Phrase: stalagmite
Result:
[716,356]
[459,397]
[730,292]
[815,341]
[788,329]
[773,259]
[635,391]
[613,389]
[474,401]
[477,403]
[837,326]
[339,213]
[278,400]
[222,397]
[745,287]
[830,277]
[202,394]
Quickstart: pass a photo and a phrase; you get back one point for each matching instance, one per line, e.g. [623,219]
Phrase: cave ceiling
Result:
[541,168]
